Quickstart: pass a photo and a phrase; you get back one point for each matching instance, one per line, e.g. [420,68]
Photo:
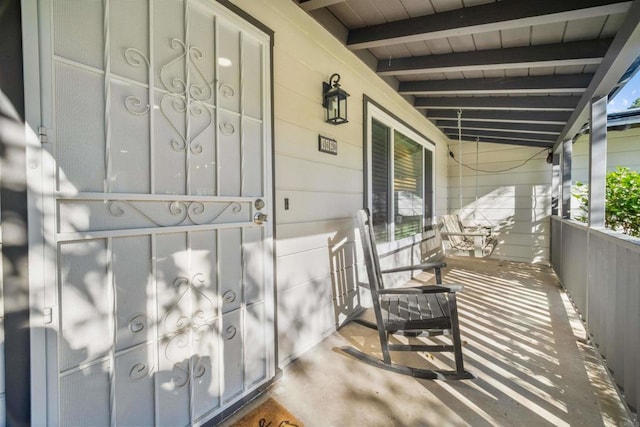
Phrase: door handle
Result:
[260,218]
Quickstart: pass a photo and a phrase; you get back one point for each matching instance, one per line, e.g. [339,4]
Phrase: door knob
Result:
[260,218]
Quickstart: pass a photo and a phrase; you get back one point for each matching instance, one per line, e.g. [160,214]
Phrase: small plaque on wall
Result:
[327,145]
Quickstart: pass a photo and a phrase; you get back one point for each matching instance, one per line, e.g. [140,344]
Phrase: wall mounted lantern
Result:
[334,101]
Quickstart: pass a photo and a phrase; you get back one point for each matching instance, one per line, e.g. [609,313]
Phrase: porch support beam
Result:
[567,153]
[555,184]
[483,18]
[588,52]
[597,161]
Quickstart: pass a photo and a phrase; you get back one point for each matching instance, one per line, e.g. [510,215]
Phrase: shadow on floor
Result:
[522,340]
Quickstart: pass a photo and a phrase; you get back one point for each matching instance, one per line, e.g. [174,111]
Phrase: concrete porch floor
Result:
[523,341]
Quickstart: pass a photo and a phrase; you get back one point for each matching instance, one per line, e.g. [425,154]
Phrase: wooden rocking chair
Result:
[410,311]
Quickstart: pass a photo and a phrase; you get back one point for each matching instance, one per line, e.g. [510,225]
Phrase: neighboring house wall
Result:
[623,149]
[516,201]
[316,262]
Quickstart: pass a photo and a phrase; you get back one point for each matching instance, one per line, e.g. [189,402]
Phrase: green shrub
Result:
[622,206]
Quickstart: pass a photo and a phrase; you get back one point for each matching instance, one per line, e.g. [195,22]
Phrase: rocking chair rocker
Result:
[410,311]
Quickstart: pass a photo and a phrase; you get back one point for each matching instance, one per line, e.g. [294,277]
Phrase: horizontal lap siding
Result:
[516,202]
[317,268]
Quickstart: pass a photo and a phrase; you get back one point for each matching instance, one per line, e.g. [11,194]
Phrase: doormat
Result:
[269,414]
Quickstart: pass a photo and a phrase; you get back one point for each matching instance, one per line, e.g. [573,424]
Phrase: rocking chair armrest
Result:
[428,289]
[425,266]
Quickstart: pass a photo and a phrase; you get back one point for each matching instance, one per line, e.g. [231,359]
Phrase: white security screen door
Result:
[159,259]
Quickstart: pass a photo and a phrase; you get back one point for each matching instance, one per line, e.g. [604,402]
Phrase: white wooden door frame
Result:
[38,54]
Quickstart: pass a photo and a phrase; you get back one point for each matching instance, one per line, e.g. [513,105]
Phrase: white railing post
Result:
[567,148]
[597,161]
[555,184]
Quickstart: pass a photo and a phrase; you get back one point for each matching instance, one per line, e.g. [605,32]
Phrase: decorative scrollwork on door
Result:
[176,213]
[137,323]
[186,327]
[186,97]
[138,371]
[183,95]
[133,104]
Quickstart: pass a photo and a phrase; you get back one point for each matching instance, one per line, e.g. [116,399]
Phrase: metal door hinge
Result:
[42,134]
[47,313]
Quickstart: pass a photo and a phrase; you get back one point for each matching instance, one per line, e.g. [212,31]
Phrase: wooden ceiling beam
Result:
[549,103]
[501,127]
[499,116]
[565,83]
[494,16]
[523,136]
[472,135]
[541,144]
[550,55]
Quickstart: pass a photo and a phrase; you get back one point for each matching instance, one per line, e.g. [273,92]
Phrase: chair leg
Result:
[455,333]
[384,345]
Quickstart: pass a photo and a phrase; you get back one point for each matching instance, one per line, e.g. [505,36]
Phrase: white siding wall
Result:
[517,202]
[315,237]
[623,149]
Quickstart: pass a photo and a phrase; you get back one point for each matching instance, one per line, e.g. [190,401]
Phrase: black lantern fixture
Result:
[334,101]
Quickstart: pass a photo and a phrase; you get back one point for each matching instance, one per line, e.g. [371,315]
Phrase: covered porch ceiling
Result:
[520,71]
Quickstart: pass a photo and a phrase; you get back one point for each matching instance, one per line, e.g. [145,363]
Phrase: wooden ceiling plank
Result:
[366,10]
[515,37]
[548,33]
[417,7]
[582,29]
[486,17]
[559,54]
[310,5]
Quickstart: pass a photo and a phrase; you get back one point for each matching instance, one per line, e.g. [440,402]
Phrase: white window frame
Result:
[375,112]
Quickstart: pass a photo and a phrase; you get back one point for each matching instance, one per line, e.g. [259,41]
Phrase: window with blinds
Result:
[380,162]
[407,186]
[401,178]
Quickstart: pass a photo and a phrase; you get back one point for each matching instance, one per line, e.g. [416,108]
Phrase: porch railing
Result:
[601,272]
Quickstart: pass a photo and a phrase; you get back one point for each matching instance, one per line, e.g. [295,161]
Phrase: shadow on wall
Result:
[519,215]
[346,289]
[15,251]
